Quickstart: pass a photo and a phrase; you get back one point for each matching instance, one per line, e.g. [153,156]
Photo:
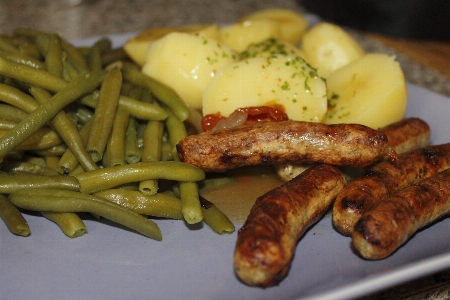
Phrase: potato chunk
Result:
[369,91]
[277,80]
[328,47]
[186,63]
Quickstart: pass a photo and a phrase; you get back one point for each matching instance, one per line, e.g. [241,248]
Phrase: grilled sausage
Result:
[275,143]
[267,240]
[388,224]
[403,136]
[407,134]
[383,179]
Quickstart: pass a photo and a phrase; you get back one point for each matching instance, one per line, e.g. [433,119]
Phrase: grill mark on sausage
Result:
[267,240]
[384,179]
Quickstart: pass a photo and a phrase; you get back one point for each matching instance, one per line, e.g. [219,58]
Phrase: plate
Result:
[192,262]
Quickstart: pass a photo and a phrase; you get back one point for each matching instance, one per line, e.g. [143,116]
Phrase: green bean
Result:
[53,151]
[190,202]
[12,113]
[43,138]
[23,59]
[176,131]
[151,152]
[28,48]
[132,152]
[17,98]
[12,217]
[115,150]
[6,124]
[166,151]
[69,70]
[77,170]
[83,114]
[69,201]
[152,141]
[69,223]
[69,161]
[75,56]
[32,75]
[5,45]
[113,56]
[162,92]
[10,183]
[157,205]
[104,114]
[215,218]
[106,178]
[54,56]
[94,59]
[51,162]
[136,108]
[67,130]
[15,167]
[36,160]
[45,112]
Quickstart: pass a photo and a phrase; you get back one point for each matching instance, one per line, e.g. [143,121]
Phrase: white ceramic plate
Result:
[111,262]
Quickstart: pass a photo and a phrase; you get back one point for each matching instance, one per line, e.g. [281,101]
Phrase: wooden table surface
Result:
[432,54]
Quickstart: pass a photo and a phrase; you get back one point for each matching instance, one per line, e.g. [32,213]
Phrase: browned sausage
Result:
[407,134]
[385,178]
[388,224]
[267,240]
[403,136]
[275,143]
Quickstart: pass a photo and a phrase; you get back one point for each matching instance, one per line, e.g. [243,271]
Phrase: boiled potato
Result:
[240,35]
[369,91]
[328,47]
[137,47]
[186,63]
[293,25]
[276,80]
[271,47]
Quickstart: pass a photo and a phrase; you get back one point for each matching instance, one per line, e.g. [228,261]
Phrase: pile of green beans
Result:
[83,130]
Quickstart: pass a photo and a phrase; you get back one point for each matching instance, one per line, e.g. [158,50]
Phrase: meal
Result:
[135,133]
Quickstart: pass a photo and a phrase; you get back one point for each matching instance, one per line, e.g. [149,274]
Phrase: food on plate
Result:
[137,47]
[384,179]
[54,200]
[13,218]
[388,224]
[267,240]
[327,47]
[280,142]
[239,36]
[292,25]
[186,63]
[271,47]
[73,113]
[405,135]
[277,80]
[370,91]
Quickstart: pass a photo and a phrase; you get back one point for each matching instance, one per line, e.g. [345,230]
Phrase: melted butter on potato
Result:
[280,79]
[187,63]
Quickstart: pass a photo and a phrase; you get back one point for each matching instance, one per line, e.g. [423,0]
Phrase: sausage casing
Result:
[267,240]
[403,136]
[385,178]
[275,143]
[388,224]
[407,134]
